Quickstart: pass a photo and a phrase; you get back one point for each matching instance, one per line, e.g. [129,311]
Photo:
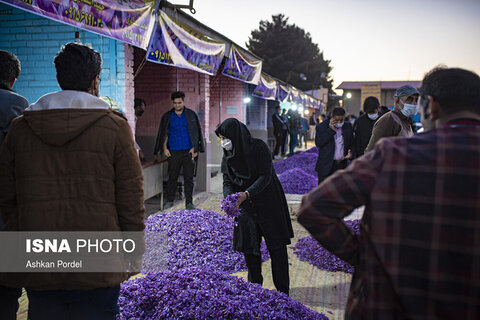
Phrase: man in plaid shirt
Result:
[418,252]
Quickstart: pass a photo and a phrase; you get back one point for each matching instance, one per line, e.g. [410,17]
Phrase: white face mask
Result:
[339,125]
[409,110]
[373,116]
[226,144]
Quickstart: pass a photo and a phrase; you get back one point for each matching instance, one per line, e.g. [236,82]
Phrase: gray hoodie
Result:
[12,105]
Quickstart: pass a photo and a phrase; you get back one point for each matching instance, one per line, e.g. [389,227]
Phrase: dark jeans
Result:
[280,138]
[281,278]
[293,141]
[303,136]
[97,304]
[337,165]
[178,160]
[9,302]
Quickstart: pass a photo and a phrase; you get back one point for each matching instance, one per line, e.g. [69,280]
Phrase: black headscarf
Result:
[239,163]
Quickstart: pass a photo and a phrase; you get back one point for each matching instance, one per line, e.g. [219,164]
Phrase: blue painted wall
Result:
[35,40]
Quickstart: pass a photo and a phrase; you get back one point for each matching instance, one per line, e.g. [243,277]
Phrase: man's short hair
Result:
[138,102]
[453,88]
[371,105]
[277,107]
[9,68]
[338,112]
[77,65]
[178,94]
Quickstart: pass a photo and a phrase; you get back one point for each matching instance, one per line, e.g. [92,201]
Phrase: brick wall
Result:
[232,94]
[35,40]
[155,83]
[129,86]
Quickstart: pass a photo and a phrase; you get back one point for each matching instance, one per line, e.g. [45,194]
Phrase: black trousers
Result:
[280,142]
[281,278]
[9,302]
[337,165]
[96,304]
[178,160]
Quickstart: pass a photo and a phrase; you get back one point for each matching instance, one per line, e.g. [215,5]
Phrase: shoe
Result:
[190,206]
[277,157]
[167,205]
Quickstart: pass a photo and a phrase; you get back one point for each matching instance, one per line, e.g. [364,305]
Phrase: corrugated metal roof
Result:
[357,85]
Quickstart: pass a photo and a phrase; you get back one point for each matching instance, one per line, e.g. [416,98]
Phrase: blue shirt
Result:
[178,137]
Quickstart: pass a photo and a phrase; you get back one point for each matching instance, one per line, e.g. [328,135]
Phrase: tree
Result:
[290,55]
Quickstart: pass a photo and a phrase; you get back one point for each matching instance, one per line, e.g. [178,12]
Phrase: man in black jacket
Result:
[334,139]
[180,139]
[280,131]
[363,127]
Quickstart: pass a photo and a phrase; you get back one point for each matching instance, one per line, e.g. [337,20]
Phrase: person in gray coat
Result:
[11,103]
[11,106]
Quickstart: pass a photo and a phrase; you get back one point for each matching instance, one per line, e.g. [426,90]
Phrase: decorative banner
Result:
[174,43]
[310,102]
[129,21]
[303,98]
[282,93]
[266,88]
[370,90]
[242,67]
[295,96]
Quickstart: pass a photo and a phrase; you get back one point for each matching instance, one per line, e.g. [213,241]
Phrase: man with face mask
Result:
[363,127]
[334,139]
[417,255]
[397,122]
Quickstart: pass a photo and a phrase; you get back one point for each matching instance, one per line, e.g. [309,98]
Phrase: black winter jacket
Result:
[324,140]
[194,131]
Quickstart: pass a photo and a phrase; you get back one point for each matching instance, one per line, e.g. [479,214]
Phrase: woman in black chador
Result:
[247,168]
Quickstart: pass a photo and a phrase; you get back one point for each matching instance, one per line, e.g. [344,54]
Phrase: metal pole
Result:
[177,81]
[220,104]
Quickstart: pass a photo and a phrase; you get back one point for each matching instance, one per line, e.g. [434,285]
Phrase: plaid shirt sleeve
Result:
[324,208]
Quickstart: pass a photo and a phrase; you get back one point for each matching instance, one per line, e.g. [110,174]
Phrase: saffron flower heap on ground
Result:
[297,181]
[204,293]
[303,160]
[180,239]
[229,205]
[312,150]
[297,174]
[309,250]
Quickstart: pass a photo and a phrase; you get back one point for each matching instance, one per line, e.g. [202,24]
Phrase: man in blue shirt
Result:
[180,139]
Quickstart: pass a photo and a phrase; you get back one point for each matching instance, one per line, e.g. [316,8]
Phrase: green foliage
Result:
[288,52]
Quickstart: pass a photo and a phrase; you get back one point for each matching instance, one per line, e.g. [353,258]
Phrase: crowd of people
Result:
[291,130]
[70,157]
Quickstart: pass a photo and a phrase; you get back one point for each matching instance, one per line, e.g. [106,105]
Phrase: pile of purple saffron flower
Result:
[204,293]
[309,250]
[181,239]
[297,181]
[229,205]
[312,150]
[303,160]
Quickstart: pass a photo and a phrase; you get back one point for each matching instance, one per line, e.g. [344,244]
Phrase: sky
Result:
[366,40]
